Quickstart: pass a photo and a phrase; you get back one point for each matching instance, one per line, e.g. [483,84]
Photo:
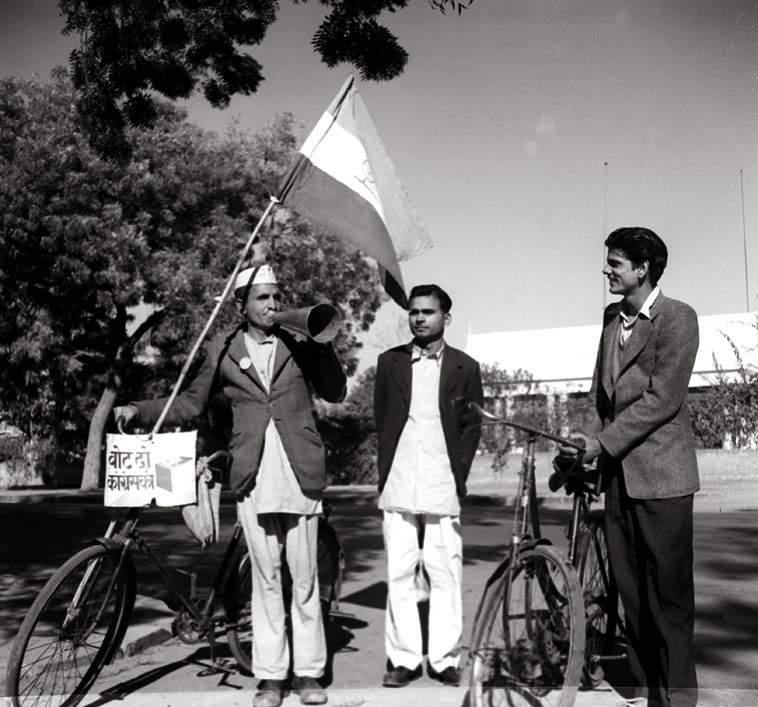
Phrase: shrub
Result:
[727,414]
[11,447]
[350,443]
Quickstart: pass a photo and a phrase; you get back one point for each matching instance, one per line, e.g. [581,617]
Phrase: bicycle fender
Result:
[130,571]
[110,543]
[493,579]
[130,597]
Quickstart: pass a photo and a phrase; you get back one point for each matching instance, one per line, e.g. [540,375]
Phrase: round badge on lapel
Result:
[245,363]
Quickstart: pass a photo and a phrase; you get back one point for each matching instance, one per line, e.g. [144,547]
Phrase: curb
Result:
[476,496]
[141,635]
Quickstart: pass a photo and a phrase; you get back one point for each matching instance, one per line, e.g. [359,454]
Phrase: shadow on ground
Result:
[35,539]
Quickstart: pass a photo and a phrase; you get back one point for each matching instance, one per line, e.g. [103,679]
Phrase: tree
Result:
[349,435]
[726,415]
[85,241]
[132,49]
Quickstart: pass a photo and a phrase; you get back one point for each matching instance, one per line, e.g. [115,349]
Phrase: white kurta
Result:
[420,479]
[420,496]
[278,516]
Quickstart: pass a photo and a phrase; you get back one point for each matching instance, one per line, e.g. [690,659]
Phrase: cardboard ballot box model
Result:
[168,473]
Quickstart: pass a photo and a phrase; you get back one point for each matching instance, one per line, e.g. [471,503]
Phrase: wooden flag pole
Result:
[250,241]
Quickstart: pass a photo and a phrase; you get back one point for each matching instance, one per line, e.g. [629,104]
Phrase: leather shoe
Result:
[401,676]
[311,693]
[271,693]
[450,676]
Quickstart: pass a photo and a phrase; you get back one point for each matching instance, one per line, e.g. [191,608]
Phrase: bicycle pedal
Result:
[192,580]
[341,614]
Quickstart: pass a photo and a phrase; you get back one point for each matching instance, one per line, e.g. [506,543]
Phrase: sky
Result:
[526,130]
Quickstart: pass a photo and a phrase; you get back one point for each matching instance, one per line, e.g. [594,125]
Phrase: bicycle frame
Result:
[526,495]
[583,497]
[525,517]
[123,533]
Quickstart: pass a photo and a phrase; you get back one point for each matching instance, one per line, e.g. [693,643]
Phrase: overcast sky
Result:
[500,129]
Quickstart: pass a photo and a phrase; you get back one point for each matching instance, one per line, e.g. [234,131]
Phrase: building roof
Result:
[564,358]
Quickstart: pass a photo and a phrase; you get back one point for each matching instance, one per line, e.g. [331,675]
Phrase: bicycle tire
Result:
[59,651]
[528,646]
[600,601]
[239,624]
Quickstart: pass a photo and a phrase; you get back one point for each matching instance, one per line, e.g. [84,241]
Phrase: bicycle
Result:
[588,553]
[76,624]
[527,645]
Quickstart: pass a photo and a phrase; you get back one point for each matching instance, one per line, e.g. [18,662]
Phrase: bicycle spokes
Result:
[70,632]
[526,652]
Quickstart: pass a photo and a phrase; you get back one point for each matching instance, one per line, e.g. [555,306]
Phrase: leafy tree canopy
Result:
[85,242]
[131,49]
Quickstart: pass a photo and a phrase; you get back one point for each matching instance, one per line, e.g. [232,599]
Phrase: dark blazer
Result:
[644,419]
[460,382]
[298,363]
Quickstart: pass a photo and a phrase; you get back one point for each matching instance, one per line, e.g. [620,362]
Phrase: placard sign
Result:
[138,469]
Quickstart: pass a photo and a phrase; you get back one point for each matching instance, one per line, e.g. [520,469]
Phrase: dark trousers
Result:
[650,552]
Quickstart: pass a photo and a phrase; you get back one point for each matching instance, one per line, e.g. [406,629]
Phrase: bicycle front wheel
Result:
[600,601]
[71,631]
[529,642]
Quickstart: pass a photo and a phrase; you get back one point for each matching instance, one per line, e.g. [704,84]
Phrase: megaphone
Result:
[320,322]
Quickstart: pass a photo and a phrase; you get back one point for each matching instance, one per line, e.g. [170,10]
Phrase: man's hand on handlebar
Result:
[592,448]
[125,414]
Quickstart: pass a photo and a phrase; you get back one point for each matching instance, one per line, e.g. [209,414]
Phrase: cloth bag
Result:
[202,517]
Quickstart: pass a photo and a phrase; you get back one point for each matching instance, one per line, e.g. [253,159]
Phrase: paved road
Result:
[36,538]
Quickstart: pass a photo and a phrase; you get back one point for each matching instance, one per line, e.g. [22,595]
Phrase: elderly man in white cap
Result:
[278,472]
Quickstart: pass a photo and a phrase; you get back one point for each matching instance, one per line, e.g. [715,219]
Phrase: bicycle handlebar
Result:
[495,419]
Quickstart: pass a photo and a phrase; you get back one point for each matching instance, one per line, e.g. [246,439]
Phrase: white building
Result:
[561,360]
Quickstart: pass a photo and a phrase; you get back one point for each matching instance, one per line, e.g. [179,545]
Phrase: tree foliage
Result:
[513,395]
[86,243]
[131,50]
[349,434]
[726,415]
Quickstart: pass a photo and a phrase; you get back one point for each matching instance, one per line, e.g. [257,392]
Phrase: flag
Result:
[343,180]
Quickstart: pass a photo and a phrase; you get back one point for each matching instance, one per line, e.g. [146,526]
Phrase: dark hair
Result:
[639,244]
[446,304]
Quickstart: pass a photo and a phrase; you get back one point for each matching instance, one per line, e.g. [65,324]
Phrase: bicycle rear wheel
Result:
[529,641]
[72,630]
[600,602]
[239,623]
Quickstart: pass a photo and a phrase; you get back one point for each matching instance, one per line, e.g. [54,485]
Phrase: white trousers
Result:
[442,553]
[267,534]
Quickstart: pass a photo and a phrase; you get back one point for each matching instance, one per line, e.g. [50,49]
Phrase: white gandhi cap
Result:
[260,274]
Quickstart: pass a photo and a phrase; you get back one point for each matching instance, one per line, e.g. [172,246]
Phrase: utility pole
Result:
[744,243]
[605,225]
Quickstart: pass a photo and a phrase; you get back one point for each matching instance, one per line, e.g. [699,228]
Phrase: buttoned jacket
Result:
[645,424]
[460,382]
[299,364]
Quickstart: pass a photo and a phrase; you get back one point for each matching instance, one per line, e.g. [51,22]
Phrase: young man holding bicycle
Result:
[278,472]
[647,460]
[427,440]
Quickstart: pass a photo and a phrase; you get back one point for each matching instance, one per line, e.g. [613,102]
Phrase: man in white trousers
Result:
[278,472]
[427,439]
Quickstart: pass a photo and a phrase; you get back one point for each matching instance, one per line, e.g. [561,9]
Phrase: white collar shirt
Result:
[627,323]
[420,479]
